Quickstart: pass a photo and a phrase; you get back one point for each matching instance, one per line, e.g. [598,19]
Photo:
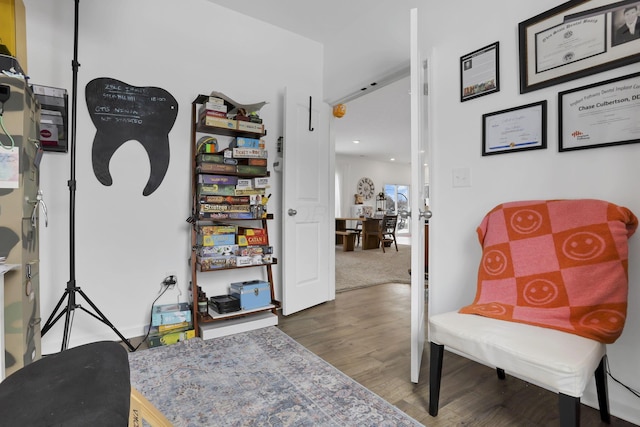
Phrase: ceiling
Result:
[366,52]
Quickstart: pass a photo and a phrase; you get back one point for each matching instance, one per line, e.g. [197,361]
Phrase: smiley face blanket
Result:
[559,264]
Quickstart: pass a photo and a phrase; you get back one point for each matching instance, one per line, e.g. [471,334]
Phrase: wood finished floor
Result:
[365,334]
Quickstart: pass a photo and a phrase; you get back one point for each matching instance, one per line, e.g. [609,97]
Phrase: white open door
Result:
[418,197]
[306,204]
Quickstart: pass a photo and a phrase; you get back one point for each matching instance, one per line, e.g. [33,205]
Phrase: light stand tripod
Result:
[72,289]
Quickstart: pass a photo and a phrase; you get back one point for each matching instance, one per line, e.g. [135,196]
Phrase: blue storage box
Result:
[170,313]
[252,294]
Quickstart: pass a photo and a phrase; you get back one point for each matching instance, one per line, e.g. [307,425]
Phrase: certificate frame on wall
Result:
[600,114]
[480,72]
[520,128]
[573,40]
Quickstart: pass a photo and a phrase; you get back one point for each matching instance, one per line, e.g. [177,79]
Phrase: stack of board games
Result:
[228,245]
[231,184]
[170,323]
[220,111]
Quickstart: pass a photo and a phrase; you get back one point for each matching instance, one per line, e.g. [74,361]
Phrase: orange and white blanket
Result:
[560,264]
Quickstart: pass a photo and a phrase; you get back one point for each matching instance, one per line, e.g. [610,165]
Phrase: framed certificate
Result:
[516,129]
[600,114]
[577,39]
[479,72]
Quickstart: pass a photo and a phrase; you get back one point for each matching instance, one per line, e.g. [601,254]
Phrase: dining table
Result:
[370,227]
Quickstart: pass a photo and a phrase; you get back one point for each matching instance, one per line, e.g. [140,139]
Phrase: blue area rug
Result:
[256,378]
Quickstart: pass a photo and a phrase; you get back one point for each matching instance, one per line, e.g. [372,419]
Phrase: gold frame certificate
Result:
[515,129]
[600,114]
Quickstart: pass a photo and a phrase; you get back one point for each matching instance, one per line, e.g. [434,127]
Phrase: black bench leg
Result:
[501,374]
[435,377]
[569,410]
[603,394]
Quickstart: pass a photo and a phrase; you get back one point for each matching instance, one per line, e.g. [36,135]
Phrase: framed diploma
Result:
[577,39]
[600,114]
[479,73]
[516,129]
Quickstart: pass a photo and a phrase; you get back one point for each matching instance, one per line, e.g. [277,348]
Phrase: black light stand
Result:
[72,289]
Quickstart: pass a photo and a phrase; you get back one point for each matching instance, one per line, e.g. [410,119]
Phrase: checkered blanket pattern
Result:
[559,264]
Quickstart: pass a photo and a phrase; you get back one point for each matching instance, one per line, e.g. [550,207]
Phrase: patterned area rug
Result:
[361,268]
[256,378]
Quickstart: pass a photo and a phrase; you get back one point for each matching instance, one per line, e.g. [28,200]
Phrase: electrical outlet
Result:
[172,274]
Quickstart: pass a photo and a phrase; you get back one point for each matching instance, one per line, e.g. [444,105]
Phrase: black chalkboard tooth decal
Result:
[122,112]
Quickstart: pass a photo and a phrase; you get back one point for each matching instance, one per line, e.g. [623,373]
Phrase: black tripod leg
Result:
[71,305]
[104,320]
[50,322]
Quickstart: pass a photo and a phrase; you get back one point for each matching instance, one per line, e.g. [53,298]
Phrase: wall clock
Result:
[366,188]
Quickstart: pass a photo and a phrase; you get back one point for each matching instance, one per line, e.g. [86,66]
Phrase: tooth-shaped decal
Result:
[122,112]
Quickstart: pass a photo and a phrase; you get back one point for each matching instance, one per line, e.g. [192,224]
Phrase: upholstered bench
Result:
[84,386]
[549,358]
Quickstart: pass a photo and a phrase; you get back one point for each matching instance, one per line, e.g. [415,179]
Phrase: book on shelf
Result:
[252,170]
[214,263]
[215,168]
[257,162]
[244,183]
[219,122]
[215,158]
[244,142]
[212,107]
[215,216]
[250,192]
[207,207]
[231,200]
[244,240]
[216,239]
[245,153]
[216,100]
[251,231]
[216,190]
[218,229]
[253,250]
[260,182]
[217,179]
[217,251]
[251,127]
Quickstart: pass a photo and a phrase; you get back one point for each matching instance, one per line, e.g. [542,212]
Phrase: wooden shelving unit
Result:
[210,326]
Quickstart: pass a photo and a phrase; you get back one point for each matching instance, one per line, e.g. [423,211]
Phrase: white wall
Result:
[605,173]
[351,168]
[127,243]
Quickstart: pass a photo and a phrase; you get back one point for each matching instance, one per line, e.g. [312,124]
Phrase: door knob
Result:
[292,212]
[426,214]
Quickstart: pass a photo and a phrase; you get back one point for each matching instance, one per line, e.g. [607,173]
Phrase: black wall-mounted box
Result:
[54,117]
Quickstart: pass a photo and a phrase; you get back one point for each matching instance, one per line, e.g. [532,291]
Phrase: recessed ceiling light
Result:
[356,141]
[392,159]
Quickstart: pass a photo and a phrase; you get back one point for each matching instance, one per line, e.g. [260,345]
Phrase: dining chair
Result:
[551,293]
[387,231]
[357,230]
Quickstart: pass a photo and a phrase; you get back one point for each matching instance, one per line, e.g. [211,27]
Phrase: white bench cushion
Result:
[556,360]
